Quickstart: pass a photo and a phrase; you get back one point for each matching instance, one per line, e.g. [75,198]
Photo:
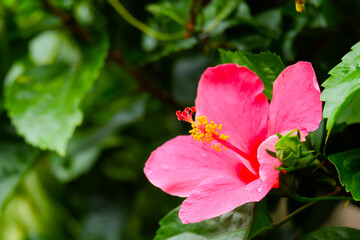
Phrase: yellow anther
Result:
[216,147]
[223,137]
[204,131]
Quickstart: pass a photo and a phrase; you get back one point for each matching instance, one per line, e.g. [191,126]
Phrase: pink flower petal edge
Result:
[296,100]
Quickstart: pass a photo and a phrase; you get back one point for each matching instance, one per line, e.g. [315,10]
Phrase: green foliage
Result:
[333,233]
[229,226]
[266,65]
[166,9]
[85,146]
[342,90]
[43,91]
[348,166]
[245,222]
[15,161]
[260,220]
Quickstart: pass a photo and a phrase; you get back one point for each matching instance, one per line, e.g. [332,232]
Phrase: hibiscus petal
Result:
[215,196]
[296,100]
[218,195]
[181,164]
[232,96]
[268,174]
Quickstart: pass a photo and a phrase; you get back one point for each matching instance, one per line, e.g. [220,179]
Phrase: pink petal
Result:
[268,174]
[215,196]
[232,96]
[219,195]
[181,164]
[296,100]
[222,194]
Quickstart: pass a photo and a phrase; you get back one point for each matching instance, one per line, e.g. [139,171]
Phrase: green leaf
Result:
[229,226]
[15,160]
[348,166]
[260,222]
[334,233]
[351,113]
[316,139]
[186,235]
[265,64]
[342,88]
[238,234]
[43,94]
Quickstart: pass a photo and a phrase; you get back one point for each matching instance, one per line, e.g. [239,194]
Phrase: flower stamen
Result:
[202,129]
[207,132]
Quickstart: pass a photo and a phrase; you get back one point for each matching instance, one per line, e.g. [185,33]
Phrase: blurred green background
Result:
[90,88]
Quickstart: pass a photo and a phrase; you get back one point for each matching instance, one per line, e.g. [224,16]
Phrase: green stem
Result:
[311,201]
[317,199]
[291,215]
[329,196]
[142,26]
[223,14]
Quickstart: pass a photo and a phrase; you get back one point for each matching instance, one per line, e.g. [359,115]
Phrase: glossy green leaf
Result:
[260,222]
[266,65]
[15,161]
[186,235]
[351,113]
[334,233]
[342,88]
[348,166]
[235,235]
[229,226]
[43,94]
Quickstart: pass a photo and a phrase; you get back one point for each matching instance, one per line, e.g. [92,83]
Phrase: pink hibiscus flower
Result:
[223,164]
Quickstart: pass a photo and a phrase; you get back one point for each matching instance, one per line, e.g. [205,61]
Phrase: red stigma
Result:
[186,115]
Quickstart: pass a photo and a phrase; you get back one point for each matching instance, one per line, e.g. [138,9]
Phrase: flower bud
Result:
[292,153]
